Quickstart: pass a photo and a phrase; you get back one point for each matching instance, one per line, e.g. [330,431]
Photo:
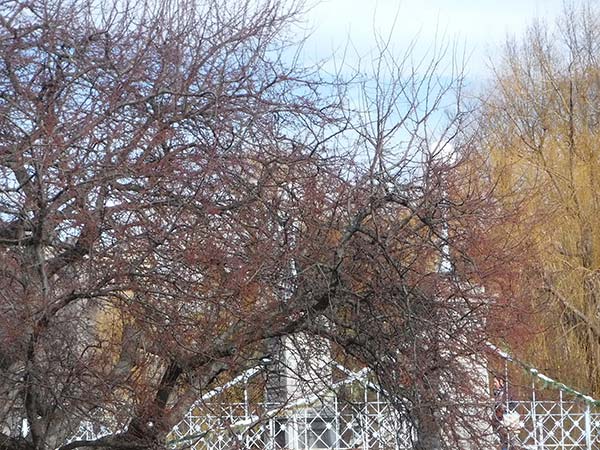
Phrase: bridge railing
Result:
[560,424]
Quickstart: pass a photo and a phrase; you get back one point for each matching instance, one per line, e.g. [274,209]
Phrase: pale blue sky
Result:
[480,26]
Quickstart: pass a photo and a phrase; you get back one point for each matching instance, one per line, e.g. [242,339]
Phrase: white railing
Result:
[546,425]
[331,425]
[354,414]
[560,424]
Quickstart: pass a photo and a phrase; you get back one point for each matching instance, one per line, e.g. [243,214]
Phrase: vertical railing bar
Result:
[588,428]
[246,415]
[246,402]
[271,434]
[295,430]
[563,429]
[365,418]
[506,395]
[506,383]
[305,429]
[534,415]
[336,429]
[378,420]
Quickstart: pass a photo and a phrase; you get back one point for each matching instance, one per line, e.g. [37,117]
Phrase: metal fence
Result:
[329,425]
[371,424]
[560,424]
[354,414]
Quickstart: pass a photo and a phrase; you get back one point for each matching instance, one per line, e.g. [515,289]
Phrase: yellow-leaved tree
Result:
[540,128]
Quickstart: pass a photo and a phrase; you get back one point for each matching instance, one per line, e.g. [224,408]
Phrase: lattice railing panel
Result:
[345,425]
[340,426]
[374,425]
[553,425]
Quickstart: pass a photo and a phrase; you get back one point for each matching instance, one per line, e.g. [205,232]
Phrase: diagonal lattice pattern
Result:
[370,425]
[356,416]
[341,424]
[336,425]
[557,425]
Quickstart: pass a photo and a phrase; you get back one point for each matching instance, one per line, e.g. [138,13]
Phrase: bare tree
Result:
[175,195]
[419,316]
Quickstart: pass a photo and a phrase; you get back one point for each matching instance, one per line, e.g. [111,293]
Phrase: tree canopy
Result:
[177,192]
[539,126]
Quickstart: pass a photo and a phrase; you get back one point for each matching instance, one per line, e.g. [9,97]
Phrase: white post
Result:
[336,429]
[271,434]
[507,404]
[562,420]
[305,430]
[506,384]
[542,440]
[247,415]
[293,435]
[588,427]
[365,424]
[534,416]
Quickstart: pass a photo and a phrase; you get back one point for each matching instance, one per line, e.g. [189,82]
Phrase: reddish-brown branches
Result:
[174,197]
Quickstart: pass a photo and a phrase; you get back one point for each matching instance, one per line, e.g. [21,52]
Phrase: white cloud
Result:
[479,26]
